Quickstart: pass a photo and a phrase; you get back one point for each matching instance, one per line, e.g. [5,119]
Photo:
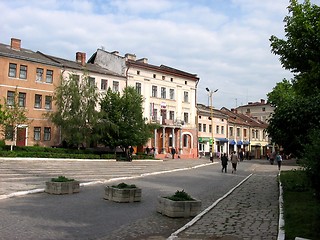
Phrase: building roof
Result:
[164,69]
[91,67]
[26,55]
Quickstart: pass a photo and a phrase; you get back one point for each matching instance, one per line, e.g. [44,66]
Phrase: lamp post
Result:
[211,115]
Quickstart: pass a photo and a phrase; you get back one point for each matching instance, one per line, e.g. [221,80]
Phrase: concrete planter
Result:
[123,194]
[178,209]
[62,187]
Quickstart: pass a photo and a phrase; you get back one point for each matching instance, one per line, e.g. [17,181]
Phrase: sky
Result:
[225,42]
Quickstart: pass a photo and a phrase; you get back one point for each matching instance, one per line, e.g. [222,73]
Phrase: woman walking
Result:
[234,160]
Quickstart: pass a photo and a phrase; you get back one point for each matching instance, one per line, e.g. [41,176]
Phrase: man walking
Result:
[173,152]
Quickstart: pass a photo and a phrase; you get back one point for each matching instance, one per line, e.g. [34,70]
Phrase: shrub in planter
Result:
[181,204]
[62,185]
[123,193]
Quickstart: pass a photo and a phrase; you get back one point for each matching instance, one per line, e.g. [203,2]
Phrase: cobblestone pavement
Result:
[250,212]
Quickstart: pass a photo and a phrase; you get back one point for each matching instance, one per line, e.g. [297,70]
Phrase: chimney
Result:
[262,101]
[81,58]
[130,56]
[115,53]
[143,60]
[16,44]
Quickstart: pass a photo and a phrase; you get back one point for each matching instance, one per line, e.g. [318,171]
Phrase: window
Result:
[12,70]
[37,133]
[172,94]
[75,77]
[37,101]
[185,140]
[200,127]
[186,97]
[186,117]
[238,132]
[23,72]
[248,110]
[48,102]
[230,131]
[138,87]
[22,99]
[253,133]
[185,82]
[171,115]
[39,74]
[104,84]
[115,86]
[9,133]
[163,77]
[210,128]
[163,92]
[47,134]
[245,133]
[263,109]
[217,129]
[138,72]
[91,81]
[222,129]
[171,79]
[49,76]
[154,114]
[154,91]
[204,127]
[154,75]
[10,98]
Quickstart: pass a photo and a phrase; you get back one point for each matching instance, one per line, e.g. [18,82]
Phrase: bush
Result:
[180,196]
[61,179]
[311,160]
[124,185]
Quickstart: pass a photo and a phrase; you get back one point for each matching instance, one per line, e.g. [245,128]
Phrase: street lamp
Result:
[211,115]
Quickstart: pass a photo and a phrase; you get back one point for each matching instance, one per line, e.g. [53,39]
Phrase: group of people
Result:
[234,158]
[234,161]
[276,156]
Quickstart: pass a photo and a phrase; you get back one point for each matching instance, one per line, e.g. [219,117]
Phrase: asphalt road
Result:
[87,215]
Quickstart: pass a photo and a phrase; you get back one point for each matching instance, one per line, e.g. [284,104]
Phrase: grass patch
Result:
[301,208]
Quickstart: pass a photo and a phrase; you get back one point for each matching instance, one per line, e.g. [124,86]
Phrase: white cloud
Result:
[225,42]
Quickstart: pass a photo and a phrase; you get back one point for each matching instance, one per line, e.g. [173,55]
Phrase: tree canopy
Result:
[297,101]
[11,116]
[76,113]
[125,111]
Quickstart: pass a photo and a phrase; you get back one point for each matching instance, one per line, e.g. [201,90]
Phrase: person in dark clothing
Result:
[224,162]
[173,152]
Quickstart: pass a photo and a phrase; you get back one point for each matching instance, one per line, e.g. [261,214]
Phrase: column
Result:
[155,142]
[163,139]
[173,139]
[180,147]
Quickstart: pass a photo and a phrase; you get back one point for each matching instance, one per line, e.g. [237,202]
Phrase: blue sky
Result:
[225,42]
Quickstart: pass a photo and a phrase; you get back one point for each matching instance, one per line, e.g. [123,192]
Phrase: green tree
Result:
[12,116]
[297,103]
[295,121]
[125,111]
[76,113]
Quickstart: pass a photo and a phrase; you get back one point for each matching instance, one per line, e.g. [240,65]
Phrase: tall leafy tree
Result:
[12,116]
[296,119]
[125,111]
[76,114]
[297,102]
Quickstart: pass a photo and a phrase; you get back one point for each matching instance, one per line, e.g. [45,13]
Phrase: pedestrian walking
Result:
[224,162]
[279,160]
[234,160]
[272,157]
[173,152]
